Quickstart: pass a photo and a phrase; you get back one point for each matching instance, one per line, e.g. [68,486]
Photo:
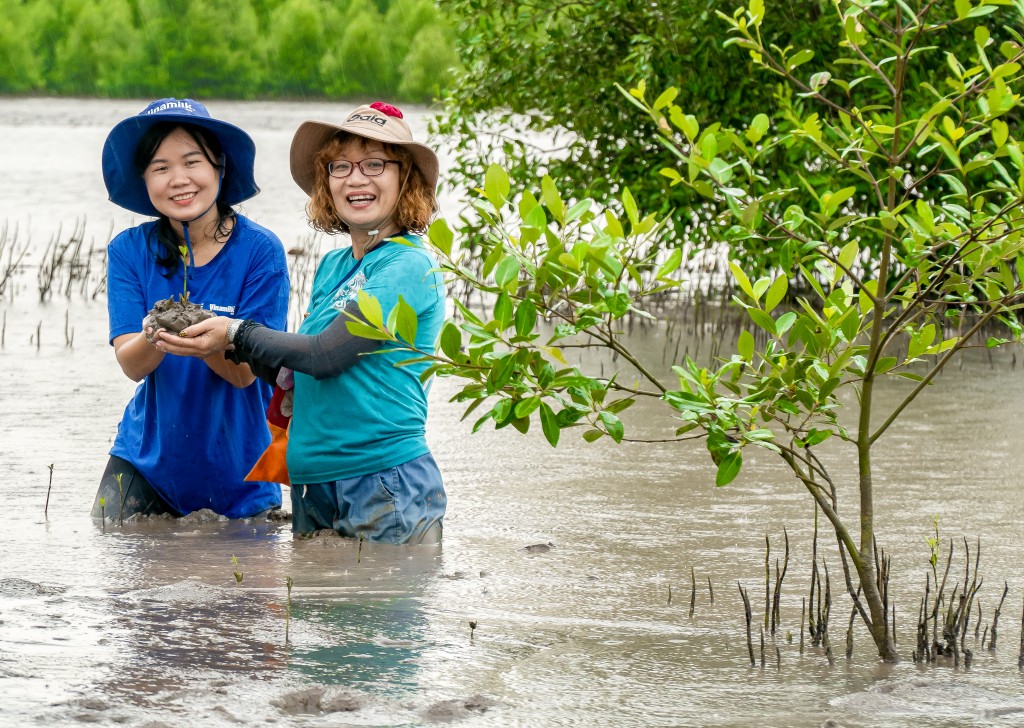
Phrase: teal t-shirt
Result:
[373,415]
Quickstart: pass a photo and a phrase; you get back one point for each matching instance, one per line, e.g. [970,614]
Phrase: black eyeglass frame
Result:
[360,163]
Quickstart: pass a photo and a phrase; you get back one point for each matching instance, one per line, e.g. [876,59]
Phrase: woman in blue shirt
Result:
[357,457]
[195,425]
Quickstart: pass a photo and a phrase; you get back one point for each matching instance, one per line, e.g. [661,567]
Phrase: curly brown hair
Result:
[417,202]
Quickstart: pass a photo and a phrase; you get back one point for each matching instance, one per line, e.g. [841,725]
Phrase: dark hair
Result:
[165,251]
[416,205]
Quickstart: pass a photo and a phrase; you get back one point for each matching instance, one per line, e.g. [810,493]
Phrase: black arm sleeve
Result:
[321,356]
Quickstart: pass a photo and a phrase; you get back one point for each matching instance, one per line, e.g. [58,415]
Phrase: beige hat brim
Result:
[311,136]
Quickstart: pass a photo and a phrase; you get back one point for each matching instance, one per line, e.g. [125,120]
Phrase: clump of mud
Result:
[318,700]
[451,710]
[173,316]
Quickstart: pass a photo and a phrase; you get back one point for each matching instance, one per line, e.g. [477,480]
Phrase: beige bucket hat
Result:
[379,121]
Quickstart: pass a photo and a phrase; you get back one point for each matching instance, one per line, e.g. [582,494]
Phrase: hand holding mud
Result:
[173,316]
[198,338]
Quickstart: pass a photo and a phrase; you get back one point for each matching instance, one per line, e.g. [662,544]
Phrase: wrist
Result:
[233,327]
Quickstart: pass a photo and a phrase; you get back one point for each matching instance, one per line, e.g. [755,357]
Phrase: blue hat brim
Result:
[125,186]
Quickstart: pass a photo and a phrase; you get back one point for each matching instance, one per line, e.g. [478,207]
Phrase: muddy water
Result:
[147,624]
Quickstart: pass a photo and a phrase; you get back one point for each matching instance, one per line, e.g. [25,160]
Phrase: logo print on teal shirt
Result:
[349,291]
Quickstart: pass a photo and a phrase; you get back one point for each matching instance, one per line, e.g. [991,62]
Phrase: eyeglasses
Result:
[372,167]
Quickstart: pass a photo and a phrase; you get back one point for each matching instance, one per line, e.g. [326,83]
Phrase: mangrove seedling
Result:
[183,249]
[120,499]
[103,513]
[472,628]
[287,607]
[46,507]
[238,574]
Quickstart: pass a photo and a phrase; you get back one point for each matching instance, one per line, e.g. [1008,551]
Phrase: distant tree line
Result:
[394,49]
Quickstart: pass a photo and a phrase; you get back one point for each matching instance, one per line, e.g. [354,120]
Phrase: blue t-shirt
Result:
[190,433]
[373,415]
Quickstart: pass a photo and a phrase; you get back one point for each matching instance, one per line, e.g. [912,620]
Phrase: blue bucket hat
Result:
[125,186]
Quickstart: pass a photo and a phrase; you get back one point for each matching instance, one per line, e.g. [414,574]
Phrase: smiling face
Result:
[366,203]
[181,179]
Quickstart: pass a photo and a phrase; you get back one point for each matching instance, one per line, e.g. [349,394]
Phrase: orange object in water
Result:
[272,465]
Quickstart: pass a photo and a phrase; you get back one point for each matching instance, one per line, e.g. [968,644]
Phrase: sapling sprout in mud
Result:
[183,249]
[287,607]
[472,628]
[103,513]
[120,499]
[238,574]
[46,508]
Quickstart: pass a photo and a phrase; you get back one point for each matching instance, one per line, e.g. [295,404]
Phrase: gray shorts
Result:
[403,504]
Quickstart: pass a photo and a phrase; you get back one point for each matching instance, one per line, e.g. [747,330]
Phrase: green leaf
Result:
[671,265]
[549,425]
[526,317]
[762,319]
[756,10]
[667,97]
[578,210]
[800,57]
[507,272]
[760,286]
[688,124]
[1000,132]
[848,255]
[369,307]
[358,328]
[552,200]
[612,424]
[745,345]
[503,310]
[496,186]
[741,279]
[441,237]
[784,322]
[526,407]
[776,293]
[728,468]
[885,364]
[629,205]
[404,322]
[757,129]
[815,437]
[451,340]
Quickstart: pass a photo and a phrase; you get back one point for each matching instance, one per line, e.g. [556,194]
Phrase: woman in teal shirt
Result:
[358,459]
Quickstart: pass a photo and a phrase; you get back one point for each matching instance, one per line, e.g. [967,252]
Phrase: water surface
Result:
[147,624]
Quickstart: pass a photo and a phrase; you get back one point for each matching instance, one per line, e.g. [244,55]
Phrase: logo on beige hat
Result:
[372,118]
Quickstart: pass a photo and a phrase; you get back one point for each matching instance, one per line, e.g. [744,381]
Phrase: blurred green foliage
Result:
[246,49]
[538,82]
